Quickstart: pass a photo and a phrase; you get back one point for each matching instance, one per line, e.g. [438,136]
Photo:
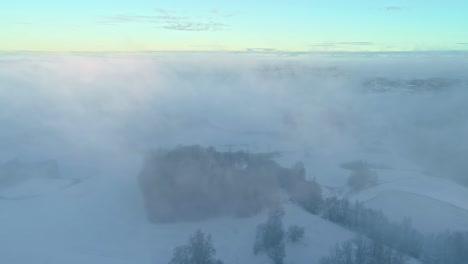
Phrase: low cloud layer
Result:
[82,111]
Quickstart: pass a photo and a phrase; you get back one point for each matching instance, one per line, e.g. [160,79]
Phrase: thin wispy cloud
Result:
[196,26]
[323,45]
[262,49]
[124,18]
[169,20]
[358,43]
[161,10]
[393,8]
[344,43]
[271,51]
[220,13]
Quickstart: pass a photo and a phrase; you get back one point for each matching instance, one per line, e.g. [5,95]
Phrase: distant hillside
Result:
[382,85]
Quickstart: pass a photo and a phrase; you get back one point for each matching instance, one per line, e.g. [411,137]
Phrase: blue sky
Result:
[315,25]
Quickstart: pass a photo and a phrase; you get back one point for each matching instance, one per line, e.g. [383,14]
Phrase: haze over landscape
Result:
[294,132]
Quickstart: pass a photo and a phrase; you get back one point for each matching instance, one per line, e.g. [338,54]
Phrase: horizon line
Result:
[243,51]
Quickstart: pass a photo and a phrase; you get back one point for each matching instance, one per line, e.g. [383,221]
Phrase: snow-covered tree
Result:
[295,233]
[270,235]
[199,250]
[363,251]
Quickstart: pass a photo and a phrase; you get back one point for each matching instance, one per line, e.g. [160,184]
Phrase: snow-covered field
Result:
[103,221]
[433,204]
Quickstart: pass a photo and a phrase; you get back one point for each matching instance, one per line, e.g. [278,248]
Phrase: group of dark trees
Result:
[446,248]
[305,193]
[199,250]
[295,233]
[374,224]
[270,237]
[361,250]
[443,248]
[193,183]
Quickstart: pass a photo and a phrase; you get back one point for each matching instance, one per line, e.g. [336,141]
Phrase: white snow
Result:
[433,204]
[103,221]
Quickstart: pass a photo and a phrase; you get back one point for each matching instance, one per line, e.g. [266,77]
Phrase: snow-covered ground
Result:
[433,204]
[102,220]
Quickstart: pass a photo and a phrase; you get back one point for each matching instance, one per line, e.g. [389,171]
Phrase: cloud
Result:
[220,13]
[131,18]
[120,104]
[261,49]
[393,8]
[169,21]
[161,10]
[196,26]
[271,51]
[323,45]
[345,43]
[358,43]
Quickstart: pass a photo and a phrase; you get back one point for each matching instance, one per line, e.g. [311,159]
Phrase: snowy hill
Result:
[433,204]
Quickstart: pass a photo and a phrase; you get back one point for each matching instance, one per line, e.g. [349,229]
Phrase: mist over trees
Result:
[379,240]
[193,182]
[443,248]
[446,248]
[362,175]
[375,225]
[295,233]
[16,170]
[199,250]
[305,193]
[271,238]
[363,251]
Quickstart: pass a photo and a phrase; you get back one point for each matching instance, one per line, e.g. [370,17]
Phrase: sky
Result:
[241,25]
